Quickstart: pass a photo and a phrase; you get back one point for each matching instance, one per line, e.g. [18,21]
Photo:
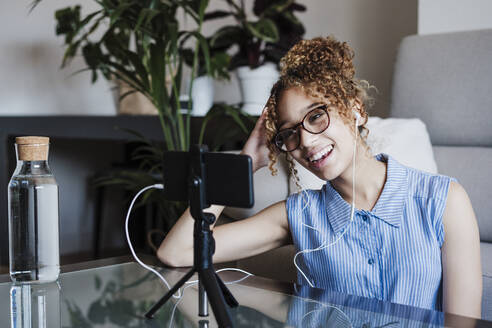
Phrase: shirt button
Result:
[371,261]
[364,218]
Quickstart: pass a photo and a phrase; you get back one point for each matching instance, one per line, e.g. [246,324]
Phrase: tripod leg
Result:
[215,297]
[202,300]
[203,324]
[227,293]
[157,306]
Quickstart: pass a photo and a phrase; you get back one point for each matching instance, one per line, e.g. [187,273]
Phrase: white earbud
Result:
[357,116]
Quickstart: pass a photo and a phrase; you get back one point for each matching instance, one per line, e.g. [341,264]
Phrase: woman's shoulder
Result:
[422,184]
[428,185]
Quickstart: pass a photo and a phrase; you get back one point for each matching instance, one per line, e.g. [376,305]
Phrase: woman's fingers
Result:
[256,145]
[260,122]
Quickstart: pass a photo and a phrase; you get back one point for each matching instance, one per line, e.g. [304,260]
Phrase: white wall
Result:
[32,83]
[438,16]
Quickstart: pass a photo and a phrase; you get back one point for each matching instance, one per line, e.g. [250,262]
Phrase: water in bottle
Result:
[33,214]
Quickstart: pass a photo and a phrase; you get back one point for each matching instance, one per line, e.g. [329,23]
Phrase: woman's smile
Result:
[318,159]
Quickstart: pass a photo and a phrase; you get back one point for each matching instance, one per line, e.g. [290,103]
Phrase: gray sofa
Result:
[446,81]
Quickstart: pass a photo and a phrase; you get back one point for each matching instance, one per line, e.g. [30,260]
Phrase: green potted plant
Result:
[260,43]
[139,43]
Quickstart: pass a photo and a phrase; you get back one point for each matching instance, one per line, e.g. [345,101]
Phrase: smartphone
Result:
[227,178]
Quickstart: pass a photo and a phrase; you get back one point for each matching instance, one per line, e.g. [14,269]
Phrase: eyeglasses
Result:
[316,121]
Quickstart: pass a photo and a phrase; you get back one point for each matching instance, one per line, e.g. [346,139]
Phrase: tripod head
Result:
[196,185]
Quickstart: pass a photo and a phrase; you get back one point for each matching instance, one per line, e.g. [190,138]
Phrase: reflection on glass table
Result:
[36,305]
[118,295]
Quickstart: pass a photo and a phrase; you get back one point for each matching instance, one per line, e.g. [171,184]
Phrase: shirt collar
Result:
[389,206]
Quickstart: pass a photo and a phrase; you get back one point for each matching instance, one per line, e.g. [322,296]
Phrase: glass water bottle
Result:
[33,214]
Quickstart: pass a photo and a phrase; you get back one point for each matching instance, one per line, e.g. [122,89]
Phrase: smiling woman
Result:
[377,228]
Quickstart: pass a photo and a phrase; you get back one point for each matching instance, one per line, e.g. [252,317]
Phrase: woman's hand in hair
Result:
[256,145]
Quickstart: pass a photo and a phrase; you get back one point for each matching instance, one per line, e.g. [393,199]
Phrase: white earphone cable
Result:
[352,211]
[156,186]
[179,294]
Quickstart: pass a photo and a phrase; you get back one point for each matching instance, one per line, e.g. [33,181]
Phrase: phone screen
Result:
[228,178]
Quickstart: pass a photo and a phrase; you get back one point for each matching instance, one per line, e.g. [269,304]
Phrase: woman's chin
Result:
[329,172]
[327,175]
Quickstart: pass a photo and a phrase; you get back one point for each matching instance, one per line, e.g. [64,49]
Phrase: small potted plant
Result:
[203,85]
[261,42]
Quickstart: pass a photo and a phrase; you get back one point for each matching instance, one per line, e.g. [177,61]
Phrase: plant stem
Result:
[165,130]
[182,135]
[193,74]
[202,130]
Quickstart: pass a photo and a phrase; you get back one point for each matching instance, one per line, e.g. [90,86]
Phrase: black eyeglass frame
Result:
[294,128]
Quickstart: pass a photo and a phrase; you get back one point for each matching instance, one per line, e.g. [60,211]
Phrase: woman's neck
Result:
[370,177]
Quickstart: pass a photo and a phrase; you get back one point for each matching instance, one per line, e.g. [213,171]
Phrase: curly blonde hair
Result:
[323,69]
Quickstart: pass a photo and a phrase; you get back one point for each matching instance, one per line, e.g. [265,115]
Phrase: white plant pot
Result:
[256,85]
[202,95]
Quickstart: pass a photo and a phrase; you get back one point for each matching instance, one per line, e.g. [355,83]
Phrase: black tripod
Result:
[204,247]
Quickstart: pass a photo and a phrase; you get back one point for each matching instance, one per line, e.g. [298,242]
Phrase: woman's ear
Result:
[357,109]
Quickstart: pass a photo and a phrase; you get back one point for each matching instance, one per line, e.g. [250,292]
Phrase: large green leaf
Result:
[292,19]
[204,50]
[139,68]
[145,16]
[216,14]
[191,10]
[219,63]
[159,92]
[70,52]
[92,55]
[126,75]
[158,72]
[201,11]
[119,12]
[88,18]
[220,111]
[277,7]
[67,22]
[228,36]
[264,29]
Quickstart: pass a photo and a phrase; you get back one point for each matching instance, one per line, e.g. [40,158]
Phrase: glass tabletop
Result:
[119,295]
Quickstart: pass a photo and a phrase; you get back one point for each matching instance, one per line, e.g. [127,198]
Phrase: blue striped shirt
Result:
[391,253]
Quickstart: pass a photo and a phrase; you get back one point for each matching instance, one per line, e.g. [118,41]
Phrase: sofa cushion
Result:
[406,140]
[472,167]
[445,79]
[486,254]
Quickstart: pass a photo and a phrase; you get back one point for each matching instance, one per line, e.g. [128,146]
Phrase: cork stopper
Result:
[32,148]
